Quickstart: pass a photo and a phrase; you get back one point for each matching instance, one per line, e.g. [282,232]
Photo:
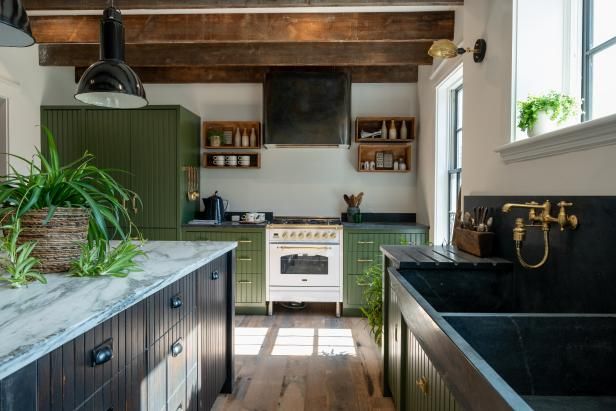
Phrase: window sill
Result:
[584,136]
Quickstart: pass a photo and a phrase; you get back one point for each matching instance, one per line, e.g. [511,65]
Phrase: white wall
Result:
[291,181]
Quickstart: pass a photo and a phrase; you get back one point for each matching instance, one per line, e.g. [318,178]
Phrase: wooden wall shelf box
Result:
[368,152]
[208,160]
[230,126]
[372,124]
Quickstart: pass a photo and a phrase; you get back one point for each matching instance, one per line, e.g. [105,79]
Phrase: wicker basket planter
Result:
[57,242]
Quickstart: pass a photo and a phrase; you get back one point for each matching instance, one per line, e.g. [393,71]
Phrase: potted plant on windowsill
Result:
[545,113]
[64,213]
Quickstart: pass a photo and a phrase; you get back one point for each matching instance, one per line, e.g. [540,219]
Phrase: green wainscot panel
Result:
[250,263]
[361,251]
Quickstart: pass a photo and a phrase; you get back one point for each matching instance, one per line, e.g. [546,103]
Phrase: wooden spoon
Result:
[347,200]
[360,197]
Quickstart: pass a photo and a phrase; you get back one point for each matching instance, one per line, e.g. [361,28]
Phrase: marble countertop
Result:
[39,318]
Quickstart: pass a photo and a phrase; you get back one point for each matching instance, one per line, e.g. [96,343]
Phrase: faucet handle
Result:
[563,204]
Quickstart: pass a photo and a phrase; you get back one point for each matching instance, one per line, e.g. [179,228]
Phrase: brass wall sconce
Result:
[543,221]
[447,49]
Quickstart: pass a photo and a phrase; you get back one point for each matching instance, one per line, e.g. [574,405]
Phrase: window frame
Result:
[588,52]
[453,167]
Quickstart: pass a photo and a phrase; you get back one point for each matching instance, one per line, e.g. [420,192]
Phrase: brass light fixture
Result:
[447,49]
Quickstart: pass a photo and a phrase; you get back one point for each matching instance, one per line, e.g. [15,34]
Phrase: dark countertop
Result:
[439,257]
[226,224]
[564,403]
[384,225]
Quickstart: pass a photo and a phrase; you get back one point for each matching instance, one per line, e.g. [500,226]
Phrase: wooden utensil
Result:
[360,197]
[347,200]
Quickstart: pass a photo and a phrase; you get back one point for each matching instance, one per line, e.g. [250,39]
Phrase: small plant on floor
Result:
[18,261]
[372,280]
[99,259]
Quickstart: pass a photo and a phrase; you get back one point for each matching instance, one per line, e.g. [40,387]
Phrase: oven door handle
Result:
[304,247]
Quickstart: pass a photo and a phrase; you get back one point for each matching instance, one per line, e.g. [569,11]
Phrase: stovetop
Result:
[307,221]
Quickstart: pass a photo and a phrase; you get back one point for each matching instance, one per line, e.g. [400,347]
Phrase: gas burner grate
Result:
[307,220]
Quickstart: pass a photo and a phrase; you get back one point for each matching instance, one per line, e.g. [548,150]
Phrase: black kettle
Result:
[215,208]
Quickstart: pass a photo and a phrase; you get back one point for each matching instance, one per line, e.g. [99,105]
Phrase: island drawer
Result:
[170,305]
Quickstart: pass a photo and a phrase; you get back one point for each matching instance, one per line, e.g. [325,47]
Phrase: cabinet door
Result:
[68,127]
[154,167]
[212,284]
[394,347]
[426,390]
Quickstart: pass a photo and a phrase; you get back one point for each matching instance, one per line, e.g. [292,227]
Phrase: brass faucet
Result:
[545,220]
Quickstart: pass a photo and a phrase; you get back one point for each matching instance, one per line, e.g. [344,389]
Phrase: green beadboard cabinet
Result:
[361,249]
[250,262]
[150,145]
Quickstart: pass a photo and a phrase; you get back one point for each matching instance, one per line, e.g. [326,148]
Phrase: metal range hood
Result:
[307,108]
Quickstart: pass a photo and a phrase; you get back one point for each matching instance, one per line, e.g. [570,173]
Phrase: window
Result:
[455,155]
[448,154]
[599,58]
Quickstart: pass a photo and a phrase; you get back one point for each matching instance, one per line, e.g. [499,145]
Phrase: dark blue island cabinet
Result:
[171,351]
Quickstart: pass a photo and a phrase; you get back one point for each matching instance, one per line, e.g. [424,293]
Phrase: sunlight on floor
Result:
[249,340]
[296,341]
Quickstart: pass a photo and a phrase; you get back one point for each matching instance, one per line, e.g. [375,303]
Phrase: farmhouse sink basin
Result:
[553,361]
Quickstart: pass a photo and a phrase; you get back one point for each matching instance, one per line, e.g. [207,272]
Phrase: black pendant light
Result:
[110,82]
[14,25]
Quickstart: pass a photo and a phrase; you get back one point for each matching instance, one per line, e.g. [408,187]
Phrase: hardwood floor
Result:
[305,360]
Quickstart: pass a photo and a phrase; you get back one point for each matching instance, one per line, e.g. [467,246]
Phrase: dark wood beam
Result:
[266,27]
[183,75]
[198,4]
[246,54]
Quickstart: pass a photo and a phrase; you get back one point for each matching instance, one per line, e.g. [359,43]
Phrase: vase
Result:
[393,133]
[352,213]
[404,132]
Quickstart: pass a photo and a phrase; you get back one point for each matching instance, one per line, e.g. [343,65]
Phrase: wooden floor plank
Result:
[320,381]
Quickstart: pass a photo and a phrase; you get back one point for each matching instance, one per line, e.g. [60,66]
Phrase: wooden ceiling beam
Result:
[187,75]
[246,54]
[205,4]
[265,27]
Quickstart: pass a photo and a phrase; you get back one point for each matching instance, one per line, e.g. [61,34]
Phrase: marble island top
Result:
[36,319]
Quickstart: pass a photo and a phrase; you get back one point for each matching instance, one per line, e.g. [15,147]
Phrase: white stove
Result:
[304,261]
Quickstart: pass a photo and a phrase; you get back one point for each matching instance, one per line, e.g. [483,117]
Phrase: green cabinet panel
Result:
[154,167]
[362,250]
[250,263]
[151,146]
[425,388]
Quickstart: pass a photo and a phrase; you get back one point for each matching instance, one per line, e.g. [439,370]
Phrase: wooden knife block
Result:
[474,242]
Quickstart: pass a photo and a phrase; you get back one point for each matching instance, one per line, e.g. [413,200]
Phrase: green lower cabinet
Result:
[361,250]
[425,388]
[250,263]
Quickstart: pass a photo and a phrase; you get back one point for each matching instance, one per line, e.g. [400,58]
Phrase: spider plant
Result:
[78,184]
[99,259]
[18,262]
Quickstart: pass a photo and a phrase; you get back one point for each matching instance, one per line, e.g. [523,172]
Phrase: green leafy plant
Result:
[18,262]
[560,107]
[78,184]
[99,259]
[372,280]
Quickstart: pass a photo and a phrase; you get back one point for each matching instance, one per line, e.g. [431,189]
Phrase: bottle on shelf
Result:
[402,164]
[237,140]
[253,138]
[245,139]
[393,133]
[404,132]
[384,130]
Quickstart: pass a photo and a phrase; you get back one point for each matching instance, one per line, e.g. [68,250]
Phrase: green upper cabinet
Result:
[362,250]
[146,150]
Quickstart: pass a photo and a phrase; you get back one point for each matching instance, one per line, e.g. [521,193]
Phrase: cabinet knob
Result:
[422,384]
[177,348]
[176,301]
[215,275]
[103,353]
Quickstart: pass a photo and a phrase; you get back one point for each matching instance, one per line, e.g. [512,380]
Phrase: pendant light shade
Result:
[110,82]
[14,25]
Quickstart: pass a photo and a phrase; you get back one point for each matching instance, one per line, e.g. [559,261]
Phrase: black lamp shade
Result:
[110,82]
[14,25]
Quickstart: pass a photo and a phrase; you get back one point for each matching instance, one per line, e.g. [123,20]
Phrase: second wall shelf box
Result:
[222,135]
[369,125]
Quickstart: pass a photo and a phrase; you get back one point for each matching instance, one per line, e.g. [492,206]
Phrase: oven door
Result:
[305,265]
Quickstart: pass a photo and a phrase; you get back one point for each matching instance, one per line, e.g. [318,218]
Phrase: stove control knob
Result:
[300,235]
[284,234]
[308,235]
[317,235]
[332,234]
[292,235]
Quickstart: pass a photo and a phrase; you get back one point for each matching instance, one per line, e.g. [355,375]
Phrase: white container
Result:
[543,125]
[393,133]
[237,140]
[404,132]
